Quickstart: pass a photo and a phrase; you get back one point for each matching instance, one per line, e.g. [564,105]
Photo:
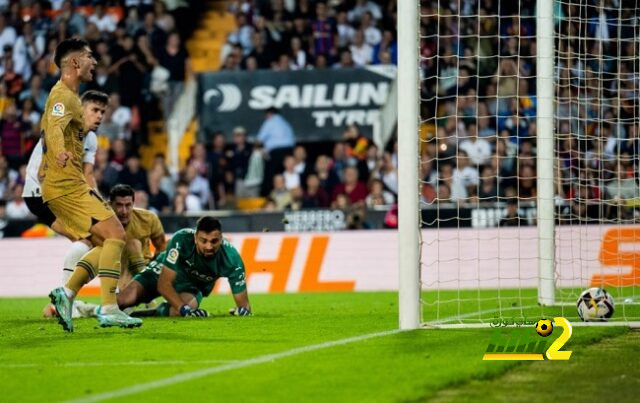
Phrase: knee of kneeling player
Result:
[133,246]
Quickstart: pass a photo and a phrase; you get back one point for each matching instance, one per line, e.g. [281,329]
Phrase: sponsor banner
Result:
[318,104]
[368,260]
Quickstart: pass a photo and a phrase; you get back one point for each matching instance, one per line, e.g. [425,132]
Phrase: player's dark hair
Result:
[208,224]
[98,97]
[121,190]
[68,46]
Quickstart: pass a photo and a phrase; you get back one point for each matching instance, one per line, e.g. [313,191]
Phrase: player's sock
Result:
[136,263]
[163,309]
[109,271]
[85,270]
[109,309]
[74,254]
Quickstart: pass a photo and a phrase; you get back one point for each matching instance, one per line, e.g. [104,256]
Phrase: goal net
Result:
[528,158]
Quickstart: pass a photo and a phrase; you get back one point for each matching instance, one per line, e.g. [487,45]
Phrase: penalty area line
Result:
[189,376]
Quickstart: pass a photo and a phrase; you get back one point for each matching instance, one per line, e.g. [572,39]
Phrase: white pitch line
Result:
[111,364]
[189,376]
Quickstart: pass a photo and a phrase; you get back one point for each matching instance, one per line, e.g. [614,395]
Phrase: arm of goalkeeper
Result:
[242,305]
[240,311]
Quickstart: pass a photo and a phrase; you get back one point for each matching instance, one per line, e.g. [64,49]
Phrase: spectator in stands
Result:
[217,165]
[314,195]
[7,34]
[74,22]
[198,186]
[242,35]
[512,215]
[158,200]
[345,61]
[327,176]
[5,182]
[10,77]
[324,33]
[141,199]
[121,116]
[278,139]
[239,154]
[184,201]
[478,149]
[362,7]
[355,190]
[130,68]
[251,184]
[41,22]
[488,189]
[527,183]
[620,189]
[386,51]
[290,175]
[103,82]
[361,52]
[103,21]
[300,157]
[198,159]
[167,182]
[29,116]
[133,174]
[372,34]
[28,48]
[298,55]
[17,208]
[378,196]
[35,92]
[175,59]
[11,137]
[280,194]
[346,31]
[164,19]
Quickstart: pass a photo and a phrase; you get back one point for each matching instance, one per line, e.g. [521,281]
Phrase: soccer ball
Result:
[595,304]
[544,327]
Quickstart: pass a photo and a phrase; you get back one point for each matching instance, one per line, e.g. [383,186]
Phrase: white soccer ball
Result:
[595,304]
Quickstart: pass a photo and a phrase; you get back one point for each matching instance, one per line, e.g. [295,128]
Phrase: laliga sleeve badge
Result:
[172,257]
[57,109]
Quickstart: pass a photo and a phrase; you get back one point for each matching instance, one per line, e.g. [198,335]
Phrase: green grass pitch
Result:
[160,360]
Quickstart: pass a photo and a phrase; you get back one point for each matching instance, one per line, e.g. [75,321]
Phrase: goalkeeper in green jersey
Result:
[187,270]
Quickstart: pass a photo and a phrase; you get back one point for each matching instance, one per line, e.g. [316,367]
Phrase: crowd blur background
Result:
[478,102]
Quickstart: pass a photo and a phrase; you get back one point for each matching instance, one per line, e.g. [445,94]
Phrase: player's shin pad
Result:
[85,270]
[109,270]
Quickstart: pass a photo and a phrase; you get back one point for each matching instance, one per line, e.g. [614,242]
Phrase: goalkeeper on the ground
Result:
[187,271]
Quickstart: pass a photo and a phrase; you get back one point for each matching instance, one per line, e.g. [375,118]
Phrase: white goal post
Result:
[409,220]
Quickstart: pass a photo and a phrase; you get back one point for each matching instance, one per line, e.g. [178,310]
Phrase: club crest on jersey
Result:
[58,109]
[172,257]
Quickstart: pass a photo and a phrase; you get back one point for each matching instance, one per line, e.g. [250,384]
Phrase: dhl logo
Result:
[281,267]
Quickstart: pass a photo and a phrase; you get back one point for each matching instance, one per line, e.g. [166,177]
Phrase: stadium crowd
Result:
[478,92]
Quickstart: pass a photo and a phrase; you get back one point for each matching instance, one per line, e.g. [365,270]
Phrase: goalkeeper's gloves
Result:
[186,310]
[240,311]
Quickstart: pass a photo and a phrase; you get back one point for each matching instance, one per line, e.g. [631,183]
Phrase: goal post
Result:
[409,219]
[545,152]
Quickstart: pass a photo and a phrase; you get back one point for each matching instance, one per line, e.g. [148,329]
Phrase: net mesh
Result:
[478,157]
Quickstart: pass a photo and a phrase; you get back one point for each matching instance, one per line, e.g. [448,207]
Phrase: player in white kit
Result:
[94,105]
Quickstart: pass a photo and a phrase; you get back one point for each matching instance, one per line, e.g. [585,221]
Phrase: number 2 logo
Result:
[554,353]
